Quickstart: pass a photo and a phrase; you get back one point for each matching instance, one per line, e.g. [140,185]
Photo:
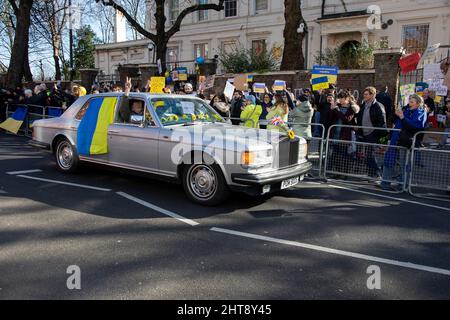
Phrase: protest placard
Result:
[209,84]
[406,91]
[429,55]
[279,85]
[182,74]
[241,82]
[330,72]
[229,90]
[259,87]
[320,83]
[157,84]
[432,71]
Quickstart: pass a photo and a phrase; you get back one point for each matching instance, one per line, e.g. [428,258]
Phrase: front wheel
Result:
[66,156]
[205,184]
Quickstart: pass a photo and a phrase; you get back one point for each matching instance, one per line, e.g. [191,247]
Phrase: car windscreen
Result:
[179,110]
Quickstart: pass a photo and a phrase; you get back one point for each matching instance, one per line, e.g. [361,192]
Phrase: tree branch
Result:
[14,7]
[176,26]
[130,19]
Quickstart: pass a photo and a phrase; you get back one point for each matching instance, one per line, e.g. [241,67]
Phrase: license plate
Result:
[289,183]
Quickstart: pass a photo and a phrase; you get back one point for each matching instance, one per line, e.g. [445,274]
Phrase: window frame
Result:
[417,26]
[146,111]
[236,8]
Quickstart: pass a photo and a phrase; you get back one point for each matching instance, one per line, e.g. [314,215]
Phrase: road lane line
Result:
[160,210]
[3,192]
[65,183]
[24,171]
[408,265]
[391,198]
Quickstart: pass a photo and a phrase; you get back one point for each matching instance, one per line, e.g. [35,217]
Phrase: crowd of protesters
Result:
[311,114]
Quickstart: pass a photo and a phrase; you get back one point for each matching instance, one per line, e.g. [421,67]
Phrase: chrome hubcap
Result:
[203,181]
[65,155]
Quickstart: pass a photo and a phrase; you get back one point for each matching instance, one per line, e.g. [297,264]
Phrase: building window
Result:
[230,8]
[415,38]
[261,6]
[203,14]
[201,50]
[258,46]
[172,58]
[174,10]
[384,42]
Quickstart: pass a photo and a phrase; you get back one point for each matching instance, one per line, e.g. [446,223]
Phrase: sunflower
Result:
[291,134]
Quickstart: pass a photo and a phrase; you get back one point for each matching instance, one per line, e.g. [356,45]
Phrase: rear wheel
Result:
[205,184]
[66,156]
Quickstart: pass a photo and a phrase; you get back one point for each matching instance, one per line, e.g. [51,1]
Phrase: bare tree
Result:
[161,36]
[293,57]
[49,18]
[19,65]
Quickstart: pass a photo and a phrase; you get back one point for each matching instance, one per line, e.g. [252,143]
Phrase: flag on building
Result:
[92,134]
[14,123]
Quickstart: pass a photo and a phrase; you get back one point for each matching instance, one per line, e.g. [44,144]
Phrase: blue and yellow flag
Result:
[14,123]
[92,135]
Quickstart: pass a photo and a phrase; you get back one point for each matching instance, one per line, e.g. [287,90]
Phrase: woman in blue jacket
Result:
[409,120]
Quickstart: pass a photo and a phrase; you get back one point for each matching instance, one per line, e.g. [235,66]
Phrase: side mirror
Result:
[137,119]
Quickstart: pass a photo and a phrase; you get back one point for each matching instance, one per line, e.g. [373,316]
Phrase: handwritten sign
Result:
[229,90]
[157,84]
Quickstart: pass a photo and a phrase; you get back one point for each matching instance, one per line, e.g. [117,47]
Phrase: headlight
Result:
[302,152]
[258,158]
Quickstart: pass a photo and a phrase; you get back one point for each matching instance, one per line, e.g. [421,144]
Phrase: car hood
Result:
[239,137]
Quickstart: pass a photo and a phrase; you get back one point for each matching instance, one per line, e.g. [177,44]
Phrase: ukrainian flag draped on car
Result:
[92,134]
[13,123]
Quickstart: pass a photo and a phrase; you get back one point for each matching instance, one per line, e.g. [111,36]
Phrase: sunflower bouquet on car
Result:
[280,124]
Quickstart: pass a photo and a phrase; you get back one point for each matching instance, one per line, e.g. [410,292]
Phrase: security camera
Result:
[151,46]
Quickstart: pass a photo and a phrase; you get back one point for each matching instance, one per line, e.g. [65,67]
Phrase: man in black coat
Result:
[372,115]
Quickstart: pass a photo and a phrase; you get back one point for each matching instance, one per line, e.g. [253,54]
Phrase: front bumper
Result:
[273,177]
[38,144]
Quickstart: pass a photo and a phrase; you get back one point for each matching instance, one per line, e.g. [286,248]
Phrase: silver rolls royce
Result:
[179,138]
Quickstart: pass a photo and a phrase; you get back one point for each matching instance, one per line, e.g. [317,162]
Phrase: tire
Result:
[205,184]
[66,156]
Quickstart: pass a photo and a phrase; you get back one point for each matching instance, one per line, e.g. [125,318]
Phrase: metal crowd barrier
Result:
[430,167]
[315,145]
[34,113]
[357,161]
[239,121]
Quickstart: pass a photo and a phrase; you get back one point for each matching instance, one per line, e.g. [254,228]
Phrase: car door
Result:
[134,145]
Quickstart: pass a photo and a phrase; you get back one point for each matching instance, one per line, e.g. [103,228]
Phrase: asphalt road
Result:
[137,238]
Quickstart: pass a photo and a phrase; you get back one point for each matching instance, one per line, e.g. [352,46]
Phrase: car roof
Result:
[143,95]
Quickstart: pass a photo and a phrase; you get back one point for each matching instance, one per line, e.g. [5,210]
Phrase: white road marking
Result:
[3,192]
[160,210]
[24,171]
[408,265]
[65,183]
[6,157]
[391,198]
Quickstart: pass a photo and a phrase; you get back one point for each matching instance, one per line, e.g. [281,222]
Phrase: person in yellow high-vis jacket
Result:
[251,112]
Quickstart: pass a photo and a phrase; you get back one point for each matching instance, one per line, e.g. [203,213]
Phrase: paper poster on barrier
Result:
[429,55]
